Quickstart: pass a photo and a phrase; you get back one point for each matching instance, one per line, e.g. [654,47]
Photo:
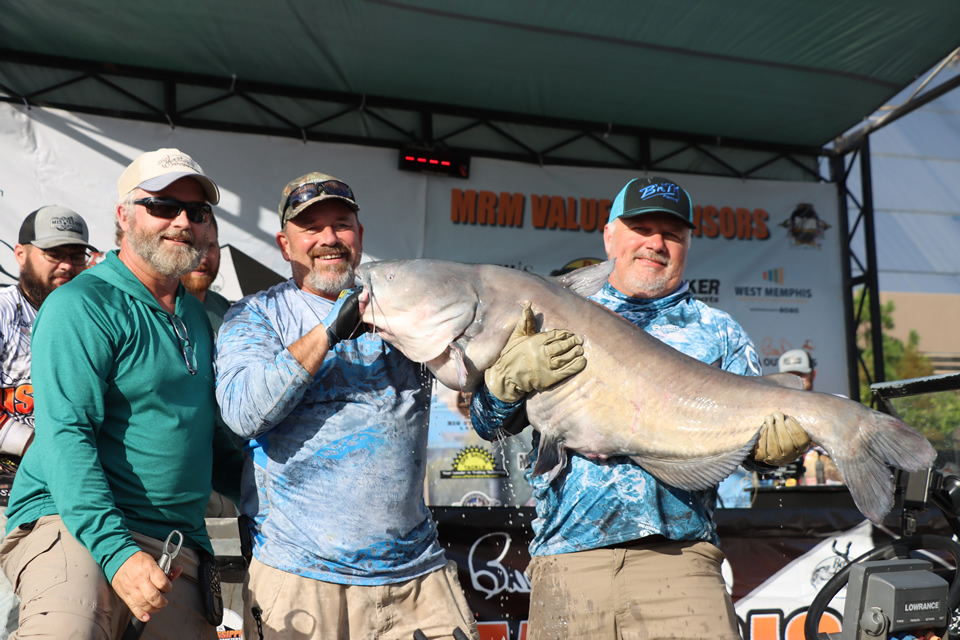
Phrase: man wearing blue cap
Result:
[616,553]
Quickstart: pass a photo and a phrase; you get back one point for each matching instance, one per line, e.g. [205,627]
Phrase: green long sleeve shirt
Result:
[125,435]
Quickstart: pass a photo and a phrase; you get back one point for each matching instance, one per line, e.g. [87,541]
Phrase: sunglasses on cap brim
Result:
[170,208]
[311,190]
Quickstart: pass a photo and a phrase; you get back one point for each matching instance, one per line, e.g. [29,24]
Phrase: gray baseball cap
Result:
[54,226]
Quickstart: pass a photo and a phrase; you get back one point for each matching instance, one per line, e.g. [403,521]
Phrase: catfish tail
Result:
[880,442]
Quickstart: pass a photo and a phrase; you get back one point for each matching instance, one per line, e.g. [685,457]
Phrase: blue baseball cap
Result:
[650,195]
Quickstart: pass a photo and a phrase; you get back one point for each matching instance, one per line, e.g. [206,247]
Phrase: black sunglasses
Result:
[311,190]
[170,208]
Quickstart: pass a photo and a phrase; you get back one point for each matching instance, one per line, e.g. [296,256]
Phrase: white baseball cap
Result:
[796,360]
[156,170]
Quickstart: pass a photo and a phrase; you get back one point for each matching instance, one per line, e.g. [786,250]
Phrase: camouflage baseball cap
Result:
[310,188]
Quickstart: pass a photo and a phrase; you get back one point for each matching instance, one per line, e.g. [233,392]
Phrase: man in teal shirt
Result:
[125,439]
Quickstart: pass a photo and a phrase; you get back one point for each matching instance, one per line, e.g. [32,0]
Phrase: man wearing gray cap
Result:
[126,445]
[51,250]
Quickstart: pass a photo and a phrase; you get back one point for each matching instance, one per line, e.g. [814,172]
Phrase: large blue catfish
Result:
[687,423]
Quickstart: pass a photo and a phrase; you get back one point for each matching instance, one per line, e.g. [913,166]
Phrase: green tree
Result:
[936,415]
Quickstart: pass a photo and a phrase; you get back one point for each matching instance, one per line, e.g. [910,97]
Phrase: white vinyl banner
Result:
[767,252]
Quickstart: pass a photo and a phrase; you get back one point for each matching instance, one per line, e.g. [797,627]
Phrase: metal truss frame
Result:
[234,104]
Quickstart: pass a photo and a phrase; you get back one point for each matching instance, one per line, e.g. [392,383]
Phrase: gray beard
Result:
[330,282]
[168,261]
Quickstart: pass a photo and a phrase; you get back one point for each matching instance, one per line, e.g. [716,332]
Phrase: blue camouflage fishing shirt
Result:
[594,504]
[334,464]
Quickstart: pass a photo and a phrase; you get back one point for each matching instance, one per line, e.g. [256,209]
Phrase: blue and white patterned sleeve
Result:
[740,355]
[259,382]
[493,418]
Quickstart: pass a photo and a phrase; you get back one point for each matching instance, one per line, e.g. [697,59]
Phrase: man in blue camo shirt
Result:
[336,422]
[616,553]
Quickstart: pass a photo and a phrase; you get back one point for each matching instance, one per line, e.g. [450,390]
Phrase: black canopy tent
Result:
[743,88]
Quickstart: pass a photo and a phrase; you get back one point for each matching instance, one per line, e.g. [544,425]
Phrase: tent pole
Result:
[872,280]
[838,171]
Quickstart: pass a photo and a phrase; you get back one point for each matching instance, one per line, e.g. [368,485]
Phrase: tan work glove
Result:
[781,440]
[533,361]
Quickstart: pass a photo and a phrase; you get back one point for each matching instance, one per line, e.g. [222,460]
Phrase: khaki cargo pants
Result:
[645,590]
[64,593]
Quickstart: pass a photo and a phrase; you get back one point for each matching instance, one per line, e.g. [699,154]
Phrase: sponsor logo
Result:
[774,275]
[705,290]
[771,350]
[474,462]
[805,227]
[827,568]
[773,292]
[490,577]
[574,265]
[664,190]
[67,223]
[168,162]
[477,499]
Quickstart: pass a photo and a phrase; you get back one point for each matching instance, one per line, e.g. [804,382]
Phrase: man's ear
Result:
[20,252]
[607,238]
[284,243]
[122,219]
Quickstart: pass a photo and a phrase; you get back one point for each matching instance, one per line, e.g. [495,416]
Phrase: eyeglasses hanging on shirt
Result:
[189,356]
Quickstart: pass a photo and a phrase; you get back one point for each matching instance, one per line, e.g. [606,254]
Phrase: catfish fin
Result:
[788,380]
[696,474]
[586,281]
[551,457]
[880,441]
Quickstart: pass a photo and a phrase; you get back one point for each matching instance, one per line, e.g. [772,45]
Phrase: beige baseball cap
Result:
[156,170]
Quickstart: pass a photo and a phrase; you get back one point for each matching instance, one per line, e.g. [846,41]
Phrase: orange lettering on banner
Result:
[510,210]
[523,631]
[794,627]
[486,207]
[764,626]
[708,223]
[604,207]
[540,205]
[728,223]
[24,399]
[731,223]
[760,231]
[493,630]
[8,400]
[555,217]
[744,223]
[463,206]
[572,214]
[588,214]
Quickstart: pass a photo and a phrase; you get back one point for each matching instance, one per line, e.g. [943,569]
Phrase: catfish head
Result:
[456,318]
[426,309]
